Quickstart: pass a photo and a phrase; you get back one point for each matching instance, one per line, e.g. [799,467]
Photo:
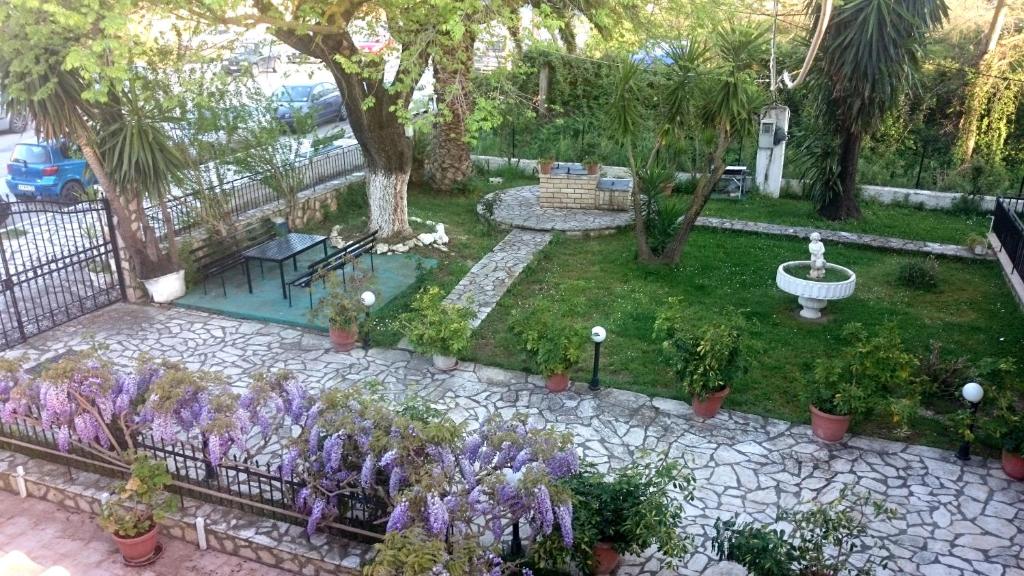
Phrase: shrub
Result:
[555,344]
[869,372]
[919,275]
[705,358]
[341,307]
[633,510]
[436,327]
[821,538]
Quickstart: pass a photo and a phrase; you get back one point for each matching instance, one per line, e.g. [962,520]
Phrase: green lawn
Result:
[471,237]
[597,281]
[879,219]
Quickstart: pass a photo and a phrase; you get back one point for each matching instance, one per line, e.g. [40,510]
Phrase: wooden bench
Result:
[218,257]
[337,260]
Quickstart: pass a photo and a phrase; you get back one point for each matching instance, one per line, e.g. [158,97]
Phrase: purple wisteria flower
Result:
[366,474]
[564,514]
[395,481]
[288,463]
[563,464]
[471,447]
[315,515]
[524,457]
[437,516]
[332,452]
[542,505]
[399,519]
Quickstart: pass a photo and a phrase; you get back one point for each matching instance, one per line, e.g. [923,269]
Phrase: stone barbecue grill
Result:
[569,186]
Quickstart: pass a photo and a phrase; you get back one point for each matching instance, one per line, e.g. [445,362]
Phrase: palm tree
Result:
[869,58]
[713,90]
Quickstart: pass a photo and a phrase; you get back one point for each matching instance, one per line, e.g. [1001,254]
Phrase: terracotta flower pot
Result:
[446,363]
[709,406]
[593,169]
[558,382]
[545,167]
[344,339]
[605,558]
[1013,465]
[138,549]
[828,427]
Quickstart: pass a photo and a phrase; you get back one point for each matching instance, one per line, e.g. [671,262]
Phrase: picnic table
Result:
[285,248]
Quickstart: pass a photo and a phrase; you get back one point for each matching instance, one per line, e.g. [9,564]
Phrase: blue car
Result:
[47,171]
[320,102]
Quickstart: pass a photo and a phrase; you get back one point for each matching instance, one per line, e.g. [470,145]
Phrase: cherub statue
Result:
[817,250]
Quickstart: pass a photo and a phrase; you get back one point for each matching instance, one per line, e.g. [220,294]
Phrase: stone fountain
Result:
[814,282]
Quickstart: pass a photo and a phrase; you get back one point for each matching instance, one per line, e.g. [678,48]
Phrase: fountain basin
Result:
[814,295]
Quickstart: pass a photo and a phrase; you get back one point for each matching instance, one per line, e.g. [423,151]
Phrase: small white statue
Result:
[335,239]
[439,236]
[817,250]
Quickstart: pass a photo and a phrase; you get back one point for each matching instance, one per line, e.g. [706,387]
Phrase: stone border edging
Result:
[241,534]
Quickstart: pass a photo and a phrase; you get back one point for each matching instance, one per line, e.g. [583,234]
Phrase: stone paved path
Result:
[520,208]
[69,542]
[488,279]
[956,519]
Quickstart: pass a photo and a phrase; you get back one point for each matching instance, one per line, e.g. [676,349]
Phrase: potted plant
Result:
[869,371]
[341,309]
[705,359]
[978,244]
[1013,450]
[629,513]
[544,164]
[132,514]
[437,328]
[556,346]
[1005,425]
[592,164]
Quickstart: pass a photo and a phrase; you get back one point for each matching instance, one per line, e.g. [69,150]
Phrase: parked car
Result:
[251,57]
[47,171]
[321,101]
[11,121]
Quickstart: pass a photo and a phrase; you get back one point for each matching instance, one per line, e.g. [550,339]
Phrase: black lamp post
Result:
[597,334]
[972,393]
[367,298]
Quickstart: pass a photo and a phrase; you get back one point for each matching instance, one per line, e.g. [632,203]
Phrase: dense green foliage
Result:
[706,358]
[434,326]
[139,503]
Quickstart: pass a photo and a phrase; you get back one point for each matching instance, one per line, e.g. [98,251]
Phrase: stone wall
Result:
[230,531]
[608,199]
[930,199]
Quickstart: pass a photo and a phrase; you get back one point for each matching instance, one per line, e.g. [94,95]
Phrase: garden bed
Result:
[598,281]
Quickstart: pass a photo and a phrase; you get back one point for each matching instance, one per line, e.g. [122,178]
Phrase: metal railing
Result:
[1007,227]
[250,485]
[249,192]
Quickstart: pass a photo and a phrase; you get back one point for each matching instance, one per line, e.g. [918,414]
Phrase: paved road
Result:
[69,542]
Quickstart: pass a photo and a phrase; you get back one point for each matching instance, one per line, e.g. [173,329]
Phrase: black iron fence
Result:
[252,485]
[250,192]
[1007,227]
[58,262]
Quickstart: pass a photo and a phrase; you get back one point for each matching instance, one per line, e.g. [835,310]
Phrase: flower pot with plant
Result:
[341,308]
[544,164]
[638,508]
[868,372]
[438,328]
[132,514]
[1006,426]
[978,244]
[592,164]
[556,345]
[705,358]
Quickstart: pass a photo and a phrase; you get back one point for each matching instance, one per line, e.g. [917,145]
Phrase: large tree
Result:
[377,87]
[868,59]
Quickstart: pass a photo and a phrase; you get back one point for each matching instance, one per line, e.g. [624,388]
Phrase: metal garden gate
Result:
[58,262]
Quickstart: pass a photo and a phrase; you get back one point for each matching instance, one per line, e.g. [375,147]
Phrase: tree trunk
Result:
[844,206]
[449,162]
[137,236]
[701,194]
[386,190]
[974,100]
[544,83]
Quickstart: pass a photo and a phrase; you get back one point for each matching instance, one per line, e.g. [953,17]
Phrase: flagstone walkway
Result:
[956,519]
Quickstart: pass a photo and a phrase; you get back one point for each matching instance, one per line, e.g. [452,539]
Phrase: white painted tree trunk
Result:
[386,196]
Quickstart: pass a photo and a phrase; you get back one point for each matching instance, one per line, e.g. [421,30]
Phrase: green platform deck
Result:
[392,274]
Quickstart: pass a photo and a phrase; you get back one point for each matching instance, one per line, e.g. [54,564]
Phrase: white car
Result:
[11,121]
